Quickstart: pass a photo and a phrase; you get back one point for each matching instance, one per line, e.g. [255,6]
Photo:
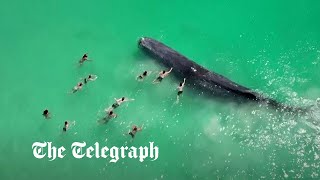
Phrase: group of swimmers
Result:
[85,81]
[159,79]
[111,114]
[110,111]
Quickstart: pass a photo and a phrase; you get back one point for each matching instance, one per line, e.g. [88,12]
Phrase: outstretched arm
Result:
[141,127]
[168,72]
[184,81]
[127,99]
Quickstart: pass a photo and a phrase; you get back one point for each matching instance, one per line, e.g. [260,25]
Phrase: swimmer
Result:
[134,130]
[77,87]
[46,114]
[111,115]
[118,103]
[161,76]
[84,58]
[143,75]
[66,126]
[180,89]
[90,78]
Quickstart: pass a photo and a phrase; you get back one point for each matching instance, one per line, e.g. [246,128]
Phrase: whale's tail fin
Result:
[284,107]
[276,104]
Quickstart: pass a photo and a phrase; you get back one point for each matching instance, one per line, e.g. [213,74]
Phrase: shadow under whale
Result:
[199,78]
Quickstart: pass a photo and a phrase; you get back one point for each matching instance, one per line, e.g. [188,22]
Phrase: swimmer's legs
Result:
[74,90]
[132,135]
[156,81]
[178,98]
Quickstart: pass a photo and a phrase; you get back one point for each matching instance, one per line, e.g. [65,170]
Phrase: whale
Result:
[202,79]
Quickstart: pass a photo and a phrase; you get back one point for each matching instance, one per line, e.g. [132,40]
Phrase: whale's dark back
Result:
[198,75]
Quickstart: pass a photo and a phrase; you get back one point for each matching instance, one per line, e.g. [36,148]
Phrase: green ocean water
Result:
[270,46]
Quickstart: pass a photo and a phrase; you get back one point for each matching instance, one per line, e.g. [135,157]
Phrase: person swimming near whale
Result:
[111,114]
[66,126]
[90,78]
[134,130]
[46,114]
[84,58]
[143,75]
[180,89]
[77,87]
[162,75]
[118,103]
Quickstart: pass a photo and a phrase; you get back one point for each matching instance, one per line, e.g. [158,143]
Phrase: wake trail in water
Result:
[313,116]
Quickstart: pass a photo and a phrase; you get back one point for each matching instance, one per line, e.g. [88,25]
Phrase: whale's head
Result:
[156,49]
[167,56]
[147,43]
[141,41]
